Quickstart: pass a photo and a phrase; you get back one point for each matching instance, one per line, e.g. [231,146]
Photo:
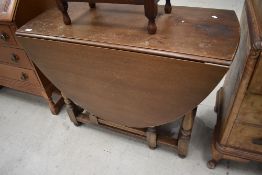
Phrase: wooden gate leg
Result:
[185,133]
[63,7]
[168,7]
[151,138]
[55,107]
[151,12]
[73,110]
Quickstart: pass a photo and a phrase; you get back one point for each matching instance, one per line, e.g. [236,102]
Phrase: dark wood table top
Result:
[189,33]
[130,77]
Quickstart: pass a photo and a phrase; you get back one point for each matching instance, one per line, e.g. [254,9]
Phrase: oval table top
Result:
[107,63]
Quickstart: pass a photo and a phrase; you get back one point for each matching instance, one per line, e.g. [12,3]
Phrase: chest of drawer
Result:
[18,74]
[14,57]
[251,109]
[246,137]
[256,82]
[7,36]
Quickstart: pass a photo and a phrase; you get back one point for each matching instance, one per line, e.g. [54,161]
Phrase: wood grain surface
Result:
[190,33]
[133,89]
[114,70]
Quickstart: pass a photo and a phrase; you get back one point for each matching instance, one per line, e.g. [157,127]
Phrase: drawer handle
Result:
[23,76]
[257,141]
[14,58]
[4,36]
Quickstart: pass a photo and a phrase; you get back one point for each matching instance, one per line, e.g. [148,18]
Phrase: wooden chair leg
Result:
[151,13]
[151,137]
[63,7]
[185,133]
[168,7]
[73,110]
[92,4]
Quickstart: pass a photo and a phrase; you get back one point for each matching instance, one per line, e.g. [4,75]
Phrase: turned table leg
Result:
[63,7]
[73,110]
[185,133]
[151,137]
[151,13]
[168,7]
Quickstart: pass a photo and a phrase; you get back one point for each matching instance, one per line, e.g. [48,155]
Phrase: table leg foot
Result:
[151,28]
[151,13]
[151,138]
[168,7]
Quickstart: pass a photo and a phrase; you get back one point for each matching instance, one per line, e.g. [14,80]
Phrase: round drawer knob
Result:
[4,36]
[23,76]
[14,58]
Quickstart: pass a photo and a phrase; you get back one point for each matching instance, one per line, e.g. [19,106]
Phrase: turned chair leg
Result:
[168,7]
[92,4]
[185,133]
[63,7]
[151,13]
[151,138]
[73,110]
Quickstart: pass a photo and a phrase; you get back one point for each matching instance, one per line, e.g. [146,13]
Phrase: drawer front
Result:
[14,57]
[18,74]
[7,36]
[251,109]
[256,82]
[246,137]
[21,86]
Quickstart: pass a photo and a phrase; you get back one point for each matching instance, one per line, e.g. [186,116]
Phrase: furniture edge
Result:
[155,52]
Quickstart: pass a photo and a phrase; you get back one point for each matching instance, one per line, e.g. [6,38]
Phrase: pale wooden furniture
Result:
[16,69]
[238,133]
[114,75]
